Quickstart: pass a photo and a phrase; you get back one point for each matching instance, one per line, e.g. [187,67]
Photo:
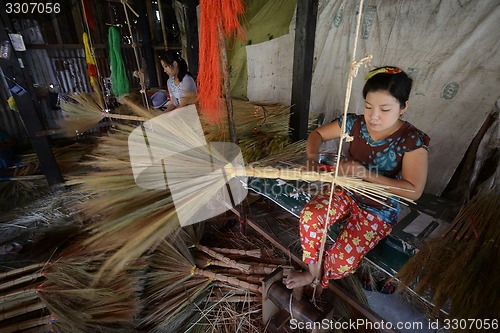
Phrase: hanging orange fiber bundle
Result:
[216,16]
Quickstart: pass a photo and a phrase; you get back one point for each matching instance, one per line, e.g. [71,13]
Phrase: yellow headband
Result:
[386,70]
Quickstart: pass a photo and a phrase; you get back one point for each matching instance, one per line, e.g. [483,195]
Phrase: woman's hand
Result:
[353,169]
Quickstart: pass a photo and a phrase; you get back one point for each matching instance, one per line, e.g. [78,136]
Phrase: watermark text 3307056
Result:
[32,7]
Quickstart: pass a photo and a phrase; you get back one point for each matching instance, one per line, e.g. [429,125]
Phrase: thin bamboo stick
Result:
[235,299]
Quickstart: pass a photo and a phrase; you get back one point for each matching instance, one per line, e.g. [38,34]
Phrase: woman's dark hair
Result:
[170,56]
[391,79]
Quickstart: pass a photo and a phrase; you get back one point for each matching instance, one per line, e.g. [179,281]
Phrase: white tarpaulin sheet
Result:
[450,49]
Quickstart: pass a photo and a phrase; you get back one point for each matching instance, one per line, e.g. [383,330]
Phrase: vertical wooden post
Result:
[305,32]
[193,43]
[230,116]
[147,50]
[30,109]
[163,27]
[227,86]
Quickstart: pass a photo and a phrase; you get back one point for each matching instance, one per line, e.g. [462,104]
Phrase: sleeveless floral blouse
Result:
[383,156]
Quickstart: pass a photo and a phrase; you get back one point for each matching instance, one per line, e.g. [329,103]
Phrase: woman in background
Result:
[181,85]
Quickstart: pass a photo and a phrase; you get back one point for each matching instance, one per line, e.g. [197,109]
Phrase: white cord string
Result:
[353,71]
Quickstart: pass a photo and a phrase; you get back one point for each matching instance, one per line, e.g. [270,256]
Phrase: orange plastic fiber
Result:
[215,16]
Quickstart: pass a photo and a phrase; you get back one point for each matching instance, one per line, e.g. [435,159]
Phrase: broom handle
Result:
[15,294]
[122,116]
[22,270]
[104,115]
[20,280]
[22,310]
[12,301]
[287,174]
[26,324]
[219,263]
[263,265]
[216,255]
[268,269]
[254,269]
[251,253]
[270,172]
[371,190]
[233,273]
[228,279]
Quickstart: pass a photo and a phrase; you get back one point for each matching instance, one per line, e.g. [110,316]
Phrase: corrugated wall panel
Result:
[61,71]
[70,69]
[11,122]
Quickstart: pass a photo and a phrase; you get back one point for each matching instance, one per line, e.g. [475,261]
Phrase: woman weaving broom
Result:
[181,85]
[386,151]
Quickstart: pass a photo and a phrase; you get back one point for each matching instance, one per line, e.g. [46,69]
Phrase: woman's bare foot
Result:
[298,279]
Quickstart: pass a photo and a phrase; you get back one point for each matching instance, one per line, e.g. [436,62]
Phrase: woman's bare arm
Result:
[414,174]
[318,136]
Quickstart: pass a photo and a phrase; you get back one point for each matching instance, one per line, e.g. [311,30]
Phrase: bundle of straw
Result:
[250,118]
[18,192]
[126,220]
[20,306]
[176,286]
[79,305]
[27,183]
[460,267]
[261,128]
[83,111]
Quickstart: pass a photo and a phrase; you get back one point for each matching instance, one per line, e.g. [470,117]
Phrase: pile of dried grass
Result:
[27,184]
[460,269]
[192,287]
[80,304]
